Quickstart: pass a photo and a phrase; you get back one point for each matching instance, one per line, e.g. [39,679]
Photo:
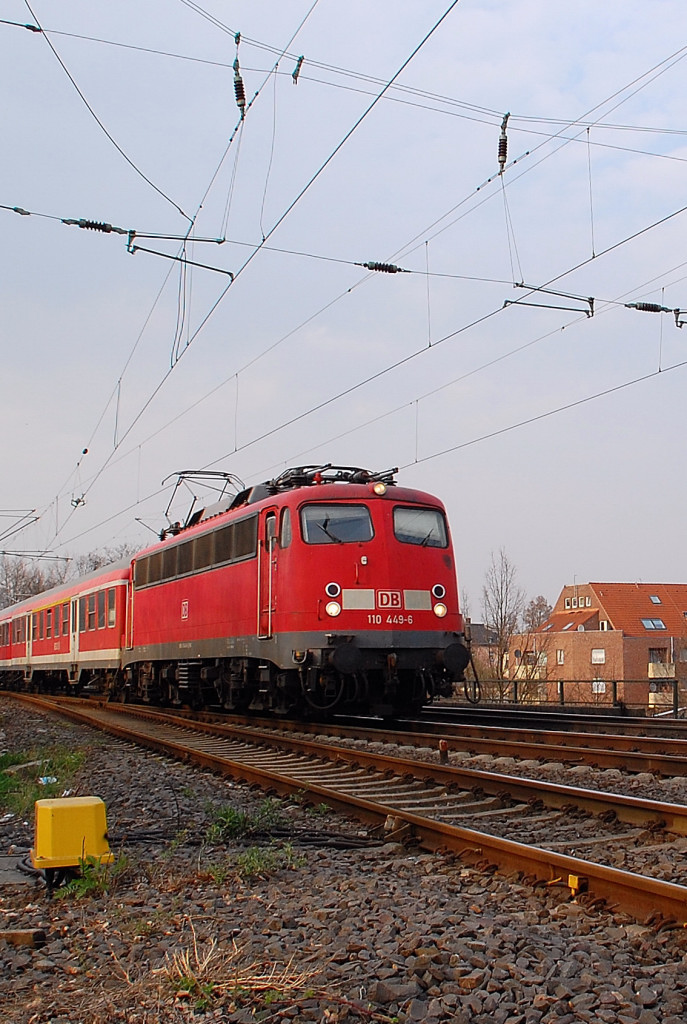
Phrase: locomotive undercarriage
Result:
[341,677]
[320,682]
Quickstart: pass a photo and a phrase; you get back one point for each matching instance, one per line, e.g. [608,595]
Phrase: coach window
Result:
[336,524]
[91,611]
[65,619]
[101,609]
[82,615]
[34,626]
[111,606]
[285,528]
[48,624]
[41,626]
[425,527]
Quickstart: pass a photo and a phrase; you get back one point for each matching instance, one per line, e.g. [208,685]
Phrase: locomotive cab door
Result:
[267,572]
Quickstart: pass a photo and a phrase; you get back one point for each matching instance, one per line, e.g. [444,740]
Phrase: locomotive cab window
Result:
[336,524]
[285,529]
[425,527]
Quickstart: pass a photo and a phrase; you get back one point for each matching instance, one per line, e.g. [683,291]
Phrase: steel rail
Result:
[637,895]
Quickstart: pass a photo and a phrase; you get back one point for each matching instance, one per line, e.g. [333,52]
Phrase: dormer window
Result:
[653,624]
[654,599]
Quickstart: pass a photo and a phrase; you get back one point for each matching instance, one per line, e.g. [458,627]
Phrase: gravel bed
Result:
[375,933]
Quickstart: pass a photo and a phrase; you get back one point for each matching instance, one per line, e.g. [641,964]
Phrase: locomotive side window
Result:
[246,537]
[336,524]
[202,551]
[285,528]
[154,567]
[224,544]
[423,526]
[141,572]
[185,558]
[169,563]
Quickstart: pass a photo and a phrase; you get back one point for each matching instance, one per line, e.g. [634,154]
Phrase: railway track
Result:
[657,755]
[518,825]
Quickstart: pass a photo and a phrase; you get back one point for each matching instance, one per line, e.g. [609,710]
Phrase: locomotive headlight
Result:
[439,591]
[440,609]
[379,488]
[332,590]
[333,608]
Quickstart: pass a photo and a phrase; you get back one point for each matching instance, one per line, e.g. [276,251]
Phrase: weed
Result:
[229,823]
[219,873]
[321,810]
[19,773]
[261,861]
[96,878]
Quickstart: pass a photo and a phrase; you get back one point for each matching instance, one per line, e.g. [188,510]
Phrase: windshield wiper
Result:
[332,536]
[425,540]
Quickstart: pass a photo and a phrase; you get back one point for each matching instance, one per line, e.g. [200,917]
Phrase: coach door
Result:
[267,575]
[74,634]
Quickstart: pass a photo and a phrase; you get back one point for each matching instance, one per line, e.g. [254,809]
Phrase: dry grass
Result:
[205,971]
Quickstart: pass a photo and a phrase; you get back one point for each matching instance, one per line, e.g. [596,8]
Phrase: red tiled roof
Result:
[626,604]
[572,619]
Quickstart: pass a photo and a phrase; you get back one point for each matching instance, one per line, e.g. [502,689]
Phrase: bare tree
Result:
[536,612]
[502,603]
[22,576]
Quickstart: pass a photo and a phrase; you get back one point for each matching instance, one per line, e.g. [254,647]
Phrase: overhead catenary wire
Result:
[100,124]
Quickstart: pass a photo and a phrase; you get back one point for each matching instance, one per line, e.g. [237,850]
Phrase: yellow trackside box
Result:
[68,830]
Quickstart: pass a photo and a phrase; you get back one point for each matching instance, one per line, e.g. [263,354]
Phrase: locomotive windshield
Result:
[423,526]
[336,524]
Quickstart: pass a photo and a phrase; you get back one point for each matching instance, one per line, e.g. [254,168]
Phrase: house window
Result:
[603,624]
[588,602]
[653,624]
[574,602]
[560,657]
[683,654]
[567,626]
[598,686]
[567,604]
[598,656]
[654,599]
[658,655]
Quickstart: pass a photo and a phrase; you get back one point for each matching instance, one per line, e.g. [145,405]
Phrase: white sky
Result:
[594,492]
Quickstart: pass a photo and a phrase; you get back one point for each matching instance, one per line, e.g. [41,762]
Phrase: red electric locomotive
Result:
[329,588]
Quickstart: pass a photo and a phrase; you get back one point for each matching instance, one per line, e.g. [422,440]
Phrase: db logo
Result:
[184,609]
[389,599]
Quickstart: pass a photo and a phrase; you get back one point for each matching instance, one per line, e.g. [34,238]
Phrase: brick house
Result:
[627,640]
